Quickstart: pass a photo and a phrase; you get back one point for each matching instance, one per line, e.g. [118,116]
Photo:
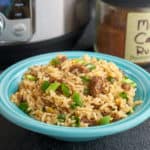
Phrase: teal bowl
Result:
[11,77]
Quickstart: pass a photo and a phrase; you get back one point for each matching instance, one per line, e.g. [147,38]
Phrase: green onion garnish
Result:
[129,113]
[105,120]
[86,91]
[55,62]
[77,121]
[85,79]
[30,77]
[61,117]
[77,101]
[90,66]
[73,106]
[45,85]
[65,89]
[79,60]
[24,107]
[123,95]
[110,79]
[53,87]
[129,81]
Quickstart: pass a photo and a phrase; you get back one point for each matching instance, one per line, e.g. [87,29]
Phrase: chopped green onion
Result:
[61,117]
[73,106]
[65,89]
[77,121]
[86,91]
[53,87]
[85,79]
[110,79]
[129,81]
[105,120]
[123,95]
[23,106]
[55,62]
[31,77]
[77,101]
[129,113]
[126,77]
[45,85]
[90,66]
[79,60]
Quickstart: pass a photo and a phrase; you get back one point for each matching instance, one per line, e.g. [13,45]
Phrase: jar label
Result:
[137,47]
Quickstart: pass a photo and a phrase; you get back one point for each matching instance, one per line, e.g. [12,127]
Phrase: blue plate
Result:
[11,77]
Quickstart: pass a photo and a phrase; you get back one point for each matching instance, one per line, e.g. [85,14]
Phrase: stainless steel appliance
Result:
[16,21]
[31,27]
[37,20]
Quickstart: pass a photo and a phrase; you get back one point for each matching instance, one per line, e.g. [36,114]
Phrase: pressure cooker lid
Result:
[129,3]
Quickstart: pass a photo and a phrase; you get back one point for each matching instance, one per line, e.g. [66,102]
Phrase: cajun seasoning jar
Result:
[123,29]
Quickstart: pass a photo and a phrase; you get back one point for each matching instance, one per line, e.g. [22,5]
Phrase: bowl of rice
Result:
[75,96]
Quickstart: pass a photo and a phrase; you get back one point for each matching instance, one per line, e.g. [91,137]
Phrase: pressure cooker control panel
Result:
[16,20]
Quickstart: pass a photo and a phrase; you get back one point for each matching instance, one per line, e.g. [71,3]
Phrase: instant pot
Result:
[30,27]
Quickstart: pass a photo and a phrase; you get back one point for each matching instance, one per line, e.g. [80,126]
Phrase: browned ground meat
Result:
[75,69]
[62,58]
[91,122]
[98,85]
[53,79]
[126,86]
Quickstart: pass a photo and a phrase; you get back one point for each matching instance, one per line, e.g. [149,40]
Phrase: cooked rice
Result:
[47,106]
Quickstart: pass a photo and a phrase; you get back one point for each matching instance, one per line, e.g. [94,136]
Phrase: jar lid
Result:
[129,3]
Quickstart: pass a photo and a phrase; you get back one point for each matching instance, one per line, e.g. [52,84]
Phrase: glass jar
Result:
[123,29]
